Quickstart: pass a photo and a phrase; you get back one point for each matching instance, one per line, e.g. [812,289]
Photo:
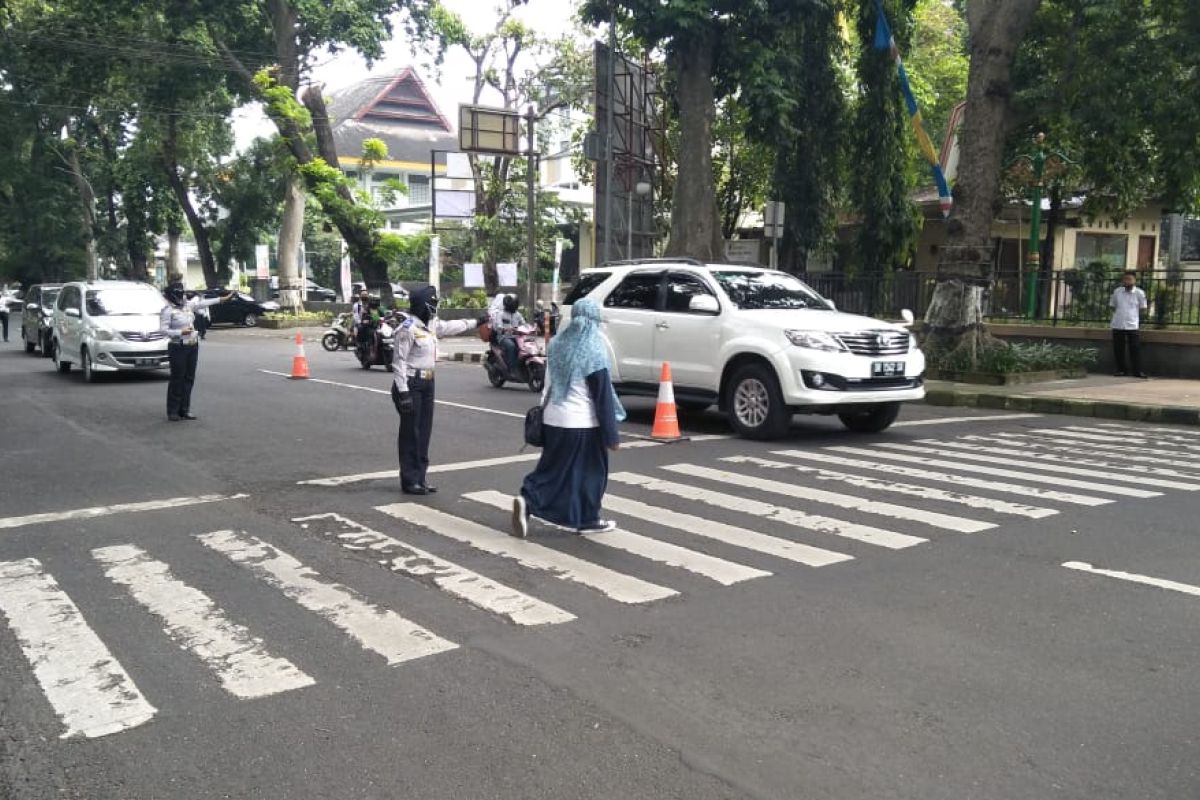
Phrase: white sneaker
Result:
[520,518]
[600,526]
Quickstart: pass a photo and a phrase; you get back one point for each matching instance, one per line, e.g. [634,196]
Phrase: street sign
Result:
[773,219]
[489,130]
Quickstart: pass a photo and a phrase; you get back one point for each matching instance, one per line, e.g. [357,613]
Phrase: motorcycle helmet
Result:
[175,293]
[511,304]
[423,303]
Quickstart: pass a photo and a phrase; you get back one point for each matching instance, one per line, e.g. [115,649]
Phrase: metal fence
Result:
[1070,297]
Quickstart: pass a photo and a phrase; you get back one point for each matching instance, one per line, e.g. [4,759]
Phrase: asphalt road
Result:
[822,623]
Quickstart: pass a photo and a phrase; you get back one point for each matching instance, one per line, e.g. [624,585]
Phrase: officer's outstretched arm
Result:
[454,327]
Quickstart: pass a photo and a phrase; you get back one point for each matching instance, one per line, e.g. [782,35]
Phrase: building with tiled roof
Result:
[399,110]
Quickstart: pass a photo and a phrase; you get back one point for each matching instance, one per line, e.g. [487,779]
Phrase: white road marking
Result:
[1088,449]
[1182,434]
[459,466]
[723,572]
[404,559]
[945,420]
[1135,435]
[912,490]
[377,629]
[799,519]
[615,585]
[1048,463]
[937,520]
[945,477]
[728,534]
[120,508]
[239,660]
[1167,457]
[1001,473]
[87,687]
[1133,577]
[388,392]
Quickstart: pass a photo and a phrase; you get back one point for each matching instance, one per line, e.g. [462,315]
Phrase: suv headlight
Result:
[815,340]
[104,335]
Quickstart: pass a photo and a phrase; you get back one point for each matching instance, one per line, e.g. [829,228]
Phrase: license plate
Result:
[887,369]
[147,362]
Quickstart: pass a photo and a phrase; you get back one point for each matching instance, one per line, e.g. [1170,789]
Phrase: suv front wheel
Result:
[755,403]
[875,419]
[63,366]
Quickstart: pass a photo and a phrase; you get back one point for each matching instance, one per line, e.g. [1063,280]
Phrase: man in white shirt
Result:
[1127,302]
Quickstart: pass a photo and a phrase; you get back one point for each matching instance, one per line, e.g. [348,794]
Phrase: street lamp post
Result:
[641,188]
[1033,172]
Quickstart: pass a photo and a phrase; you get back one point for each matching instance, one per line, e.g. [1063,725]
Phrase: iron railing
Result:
[1070,297]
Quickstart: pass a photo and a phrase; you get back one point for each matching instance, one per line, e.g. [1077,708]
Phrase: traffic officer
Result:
[416,352]
[178,321]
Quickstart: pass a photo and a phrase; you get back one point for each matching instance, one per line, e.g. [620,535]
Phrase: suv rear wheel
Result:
[873,420]
[755,403]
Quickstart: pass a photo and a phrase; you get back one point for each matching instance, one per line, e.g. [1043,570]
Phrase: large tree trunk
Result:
[291,231]
[955,317]
[87,210]
[176,268]
[695,226]
[208,262]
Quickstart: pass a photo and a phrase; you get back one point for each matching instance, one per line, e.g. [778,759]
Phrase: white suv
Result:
[759,343]
[105,326]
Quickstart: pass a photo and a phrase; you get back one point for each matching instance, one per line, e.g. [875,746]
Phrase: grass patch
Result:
[1009,357]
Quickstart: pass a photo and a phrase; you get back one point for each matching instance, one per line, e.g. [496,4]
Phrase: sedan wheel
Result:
[250,320]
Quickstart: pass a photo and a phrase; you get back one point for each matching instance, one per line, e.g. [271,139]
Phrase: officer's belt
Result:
[423,374]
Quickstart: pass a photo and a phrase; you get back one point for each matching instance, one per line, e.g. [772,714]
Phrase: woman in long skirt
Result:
[580,424]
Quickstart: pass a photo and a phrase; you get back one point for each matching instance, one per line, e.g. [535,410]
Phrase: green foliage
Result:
[473,299]
[307,317]
[882,147]
[1005,358]
[1090,289]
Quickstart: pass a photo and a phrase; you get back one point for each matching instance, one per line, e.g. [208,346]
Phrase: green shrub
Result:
[461,298]
[1009,357]
[314,317]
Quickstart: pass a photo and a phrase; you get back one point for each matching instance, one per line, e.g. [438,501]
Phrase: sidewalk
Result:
[1167,400]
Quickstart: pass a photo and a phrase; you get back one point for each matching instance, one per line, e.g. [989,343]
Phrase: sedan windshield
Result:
[755,290]
[48,297]
[123,302]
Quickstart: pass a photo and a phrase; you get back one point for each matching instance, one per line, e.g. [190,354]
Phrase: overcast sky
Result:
[550,17]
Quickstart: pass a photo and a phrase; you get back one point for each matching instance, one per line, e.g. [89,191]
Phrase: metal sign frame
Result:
[483,129]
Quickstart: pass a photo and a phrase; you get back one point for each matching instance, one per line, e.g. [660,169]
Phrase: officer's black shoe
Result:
[429,489]
[413,488]
[173,417]
[186,415]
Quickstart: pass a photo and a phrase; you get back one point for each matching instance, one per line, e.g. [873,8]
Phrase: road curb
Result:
[469,358]
[1040,404]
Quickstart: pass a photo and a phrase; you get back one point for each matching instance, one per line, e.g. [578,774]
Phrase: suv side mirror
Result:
[907,316]
[72,312]
[30,306]
[704,304]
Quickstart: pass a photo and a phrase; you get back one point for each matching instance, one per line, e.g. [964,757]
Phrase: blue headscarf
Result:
[577,351]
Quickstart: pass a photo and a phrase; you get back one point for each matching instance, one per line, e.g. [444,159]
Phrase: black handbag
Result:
[535,434]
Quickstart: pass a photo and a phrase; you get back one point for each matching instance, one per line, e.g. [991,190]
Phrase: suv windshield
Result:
[754,290]
[123,302]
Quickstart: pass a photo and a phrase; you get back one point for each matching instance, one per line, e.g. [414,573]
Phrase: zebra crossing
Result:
[751,518]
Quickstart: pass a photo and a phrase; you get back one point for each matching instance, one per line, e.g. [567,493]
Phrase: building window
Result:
[418,190]
[1111,249]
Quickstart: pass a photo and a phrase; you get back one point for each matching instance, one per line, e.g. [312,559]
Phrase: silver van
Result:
[108,326]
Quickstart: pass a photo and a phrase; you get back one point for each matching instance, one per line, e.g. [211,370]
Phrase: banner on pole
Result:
[262,262]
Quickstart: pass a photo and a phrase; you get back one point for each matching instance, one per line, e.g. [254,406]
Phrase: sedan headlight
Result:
[815,340]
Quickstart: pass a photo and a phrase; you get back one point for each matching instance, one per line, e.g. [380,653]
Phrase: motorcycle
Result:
[377,349]
[340,335]
[531,360]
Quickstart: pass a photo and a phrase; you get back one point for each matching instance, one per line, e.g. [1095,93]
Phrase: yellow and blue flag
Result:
[885,41]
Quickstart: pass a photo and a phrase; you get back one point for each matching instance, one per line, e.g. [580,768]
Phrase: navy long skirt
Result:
[568,485]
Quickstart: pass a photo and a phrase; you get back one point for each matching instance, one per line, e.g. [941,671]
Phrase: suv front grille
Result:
[138,336]
[875,343]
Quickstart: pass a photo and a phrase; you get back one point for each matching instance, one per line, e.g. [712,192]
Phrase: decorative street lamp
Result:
[1034,171]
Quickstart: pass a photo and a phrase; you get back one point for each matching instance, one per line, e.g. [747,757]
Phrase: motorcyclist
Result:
[361,312]
[505,323]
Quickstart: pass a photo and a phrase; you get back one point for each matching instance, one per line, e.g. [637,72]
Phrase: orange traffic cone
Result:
[666,418]
[299,361]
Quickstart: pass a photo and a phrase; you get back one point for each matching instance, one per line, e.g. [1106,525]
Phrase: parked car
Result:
[759,343]
[37,317]
[398,290]
[313,291]
[108,326]
[241,310]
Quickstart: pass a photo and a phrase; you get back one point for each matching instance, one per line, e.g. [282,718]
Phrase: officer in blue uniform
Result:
[413,363]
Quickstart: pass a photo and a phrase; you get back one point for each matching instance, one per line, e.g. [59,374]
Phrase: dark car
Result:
[241,310]
[37,317]
[313,291]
